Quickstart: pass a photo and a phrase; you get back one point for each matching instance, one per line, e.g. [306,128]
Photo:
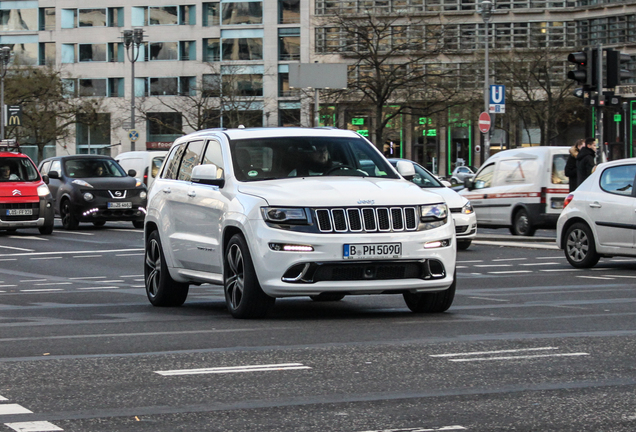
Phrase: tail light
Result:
[543,195]
[146,176]
[567,200]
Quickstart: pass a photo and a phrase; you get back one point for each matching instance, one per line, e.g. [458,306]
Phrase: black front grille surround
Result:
[35,206]
[366,219]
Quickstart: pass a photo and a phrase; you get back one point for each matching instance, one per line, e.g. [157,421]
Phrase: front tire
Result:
[243,293]
[46,229]
[463,244]
[521,224]
[138,224]
[580,248]
[161,289]
[99,224]
[69,221]
[435,302]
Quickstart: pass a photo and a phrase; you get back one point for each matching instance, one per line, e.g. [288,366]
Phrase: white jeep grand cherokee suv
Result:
[284,212]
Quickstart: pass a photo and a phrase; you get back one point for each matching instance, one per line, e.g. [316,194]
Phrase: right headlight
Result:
[468,208]
[433,215]
[284,215]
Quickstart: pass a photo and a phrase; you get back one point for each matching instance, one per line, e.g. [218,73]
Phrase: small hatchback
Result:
[96,189]
[282,212]
[599,217]
[25,199]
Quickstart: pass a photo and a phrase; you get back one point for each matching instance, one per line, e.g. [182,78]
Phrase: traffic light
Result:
[615,69]
[585,72]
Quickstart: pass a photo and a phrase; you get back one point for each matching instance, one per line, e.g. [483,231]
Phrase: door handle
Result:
[167,190]
[192,194]
[595,204]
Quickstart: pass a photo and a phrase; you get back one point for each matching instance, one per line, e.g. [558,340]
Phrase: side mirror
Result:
[406,169]
[54,175]
[45,179]
[208,174]
[132,173]
[469,183]
[446,183]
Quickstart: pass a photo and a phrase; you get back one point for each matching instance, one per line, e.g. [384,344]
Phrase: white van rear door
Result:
[559,187]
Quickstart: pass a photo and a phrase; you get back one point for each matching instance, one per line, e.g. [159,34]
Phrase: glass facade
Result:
[92,52]
[288,11]
[245,12]
[18,20]
[288,44]
[91,17]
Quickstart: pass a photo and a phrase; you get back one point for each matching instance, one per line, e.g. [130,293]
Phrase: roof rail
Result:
[10,145]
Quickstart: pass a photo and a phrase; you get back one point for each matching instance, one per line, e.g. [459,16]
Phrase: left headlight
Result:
[43,190]
[82,183]
[284,215]
[143,194]
[468,208]
[433,215]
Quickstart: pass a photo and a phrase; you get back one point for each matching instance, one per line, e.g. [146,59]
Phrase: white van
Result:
[522,189]
[146,163]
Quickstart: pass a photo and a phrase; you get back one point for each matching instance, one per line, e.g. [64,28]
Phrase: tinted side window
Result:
[213,154]
[619,180]
[56,165]
[45,167]
[173,162]
[191,158]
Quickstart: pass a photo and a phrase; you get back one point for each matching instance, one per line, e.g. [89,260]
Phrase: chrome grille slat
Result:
[367,219]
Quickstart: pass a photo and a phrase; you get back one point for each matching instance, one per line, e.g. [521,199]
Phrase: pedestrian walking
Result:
[585,160]
[570,165]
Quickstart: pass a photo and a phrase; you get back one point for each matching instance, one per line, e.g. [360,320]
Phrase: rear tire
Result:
[435,302]
[161,289]
[99,223]
[244,296]
[327,297]
[69,221]
[579,247]
[464,244]
[521,224]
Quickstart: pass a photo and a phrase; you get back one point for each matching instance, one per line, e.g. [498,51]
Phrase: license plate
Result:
[119,205]
[19,212]
[372,251]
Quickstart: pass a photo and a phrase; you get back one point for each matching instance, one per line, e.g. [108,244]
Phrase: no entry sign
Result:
[484,122]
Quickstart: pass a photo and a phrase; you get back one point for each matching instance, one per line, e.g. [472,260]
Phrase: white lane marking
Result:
[487,298]
[87,256]
[37,426]
[519,357]
[134,254]
[466,262]
[8,259]
[112,281]
[622,260]
[41,290]
[595,277]
[46,258]
[138,286]
[510,272]
[552,257]
[509,259]
[132,276]
[540,264]
[53,283]
[29,238]
[126,230]
[73,252]
[33,280]
[17,248]
[531,245]
[13,409]
[621,276]
[562,270]
[440,429]
[79,233]
[7,286]
[493,265]
[2,398]
[98,288]
[461,266]
[235,369]
[493,352]
[88,277]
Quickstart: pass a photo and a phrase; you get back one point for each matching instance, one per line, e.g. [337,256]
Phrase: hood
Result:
[111,182]
[452,198]
[19,189]
[339,192]
[585,151]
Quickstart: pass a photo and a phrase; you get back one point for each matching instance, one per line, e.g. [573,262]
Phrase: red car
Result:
[25,199]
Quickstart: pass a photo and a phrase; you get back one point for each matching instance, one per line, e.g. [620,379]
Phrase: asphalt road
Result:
[530,344]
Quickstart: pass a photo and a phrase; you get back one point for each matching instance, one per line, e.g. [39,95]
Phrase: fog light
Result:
[142,195]
[436,244]
[88,196]
[290,247]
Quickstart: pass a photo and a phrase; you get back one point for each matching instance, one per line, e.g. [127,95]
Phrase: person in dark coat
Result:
[585,160]
[570,165]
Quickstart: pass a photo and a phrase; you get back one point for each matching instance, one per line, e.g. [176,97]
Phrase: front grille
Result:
[459,229]
[35,206]
[375,271]
[456,210]
[367,219]
[111,194]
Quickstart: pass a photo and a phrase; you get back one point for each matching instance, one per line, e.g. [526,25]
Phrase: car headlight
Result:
[468,208]
[433,215]
[88,196]
[284,215]
[43,190]
[82,183]
[143,194]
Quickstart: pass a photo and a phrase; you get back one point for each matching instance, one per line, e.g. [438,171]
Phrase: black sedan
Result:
[92,188]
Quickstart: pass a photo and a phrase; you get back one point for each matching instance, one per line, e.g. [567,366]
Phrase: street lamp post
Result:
[133,39]
[486,14]
[5,56]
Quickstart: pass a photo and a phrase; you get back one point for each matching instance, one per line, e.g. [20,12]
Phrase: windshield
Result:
[85,168]
[276,158]
[18,169]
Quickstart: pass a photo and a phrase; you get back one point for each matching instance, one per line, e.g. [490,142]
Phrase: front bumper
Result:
[465,226]
[285,273]
[42,213]
[97,210]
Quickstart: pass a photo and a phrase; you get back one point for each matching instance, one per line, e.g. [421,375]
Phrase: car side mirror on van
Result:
[208,174]
[132,173]
[469,183]
[406,169]
[53,175]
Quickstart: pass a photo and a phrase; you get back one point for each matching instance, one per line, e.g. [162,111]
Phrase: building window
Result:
[18,19]
[47,19]
[92,87]
[212,50]
[211,14]
[116,17]
[289,114]
[283,86]
[91,17]
[243,49]
[187,50]
[288,44]
[288,11]
[164,50]
[93,132]
[187,15]
[168,86]
[92,52]
[116,52]
[115,87]
[163,15]
[241,84]
[47,53]
[245,12]
[164,126]
[211,85]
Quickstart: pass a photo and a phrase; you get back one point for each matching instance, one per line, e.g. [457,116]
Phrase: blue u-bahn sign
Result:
[497,99]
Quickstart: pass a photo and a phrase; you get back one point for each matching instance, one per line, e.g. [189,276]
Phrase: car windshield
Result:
[423,178]
[85,168]
[277,158]
[17,169]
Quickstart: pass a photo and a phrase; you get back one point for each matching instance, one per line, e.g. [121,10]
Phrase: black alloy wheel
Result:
[161,289]
[69,221]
